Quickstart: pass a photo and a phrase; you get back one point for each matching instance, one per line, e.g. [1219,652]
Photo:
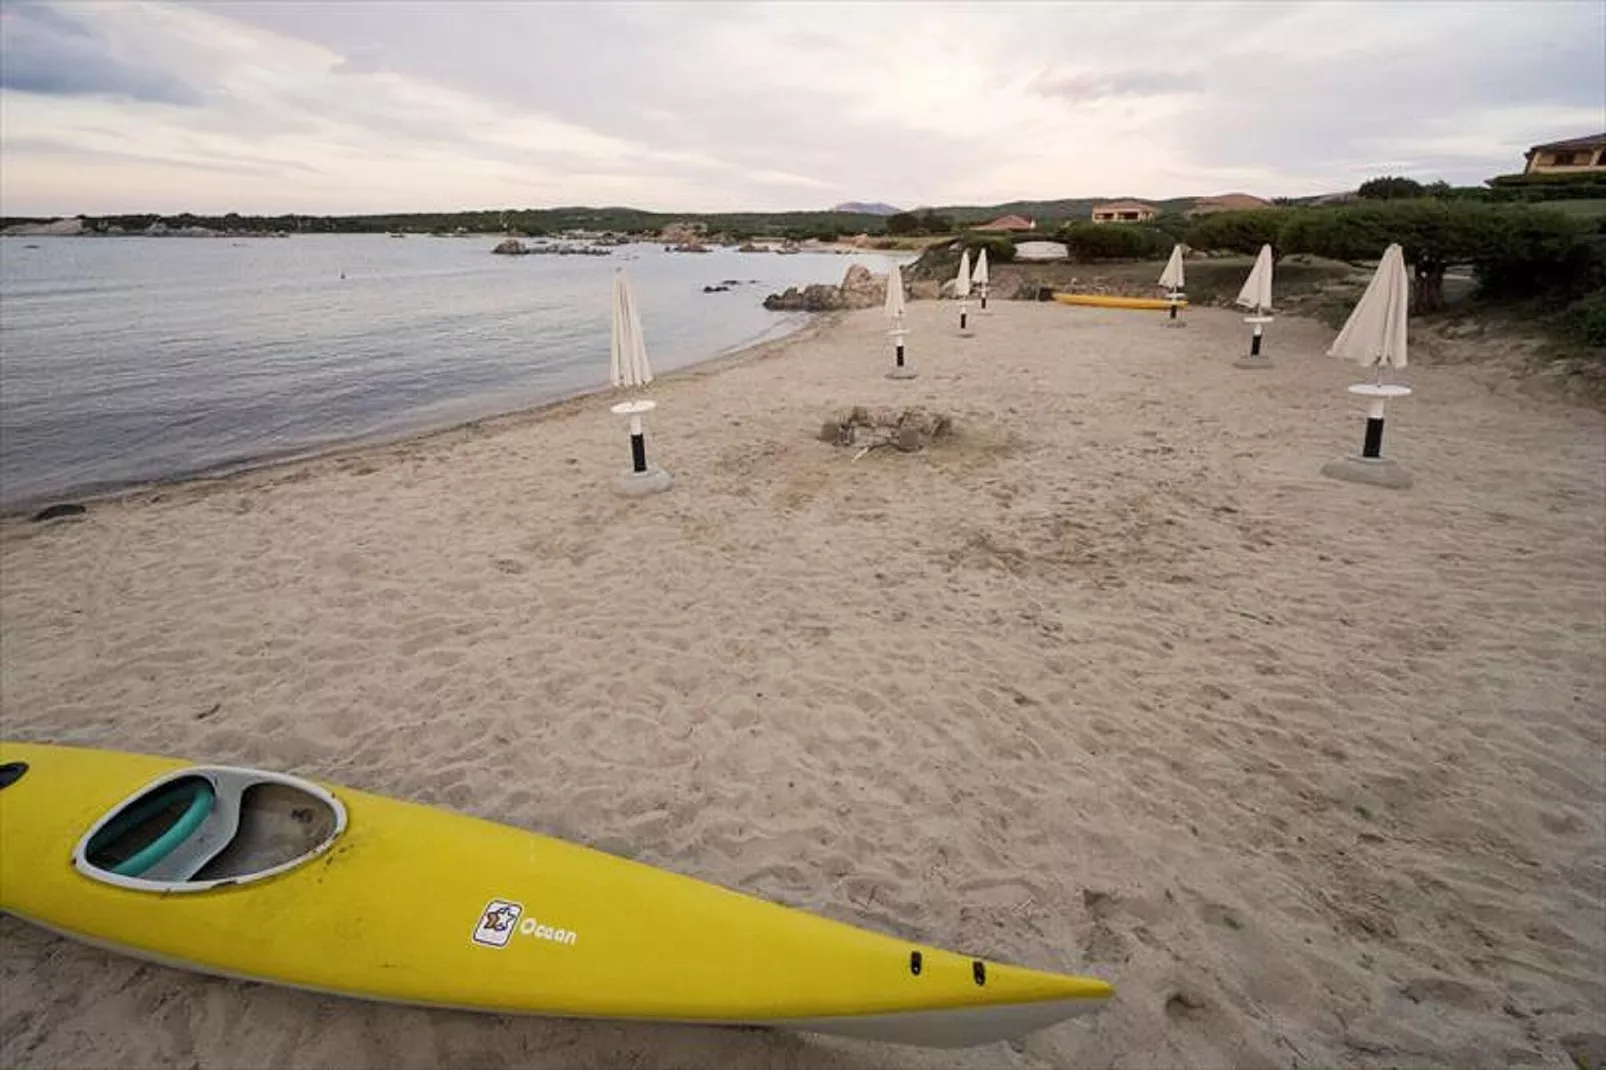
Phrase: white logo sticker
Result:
[498,923]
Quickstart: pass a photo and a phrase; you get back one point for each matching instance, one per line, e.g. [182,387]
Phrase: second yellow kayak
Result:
[1114,301]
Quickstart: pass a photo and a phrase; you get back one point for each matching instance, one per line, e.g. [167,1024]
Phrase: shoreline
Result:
[349,449]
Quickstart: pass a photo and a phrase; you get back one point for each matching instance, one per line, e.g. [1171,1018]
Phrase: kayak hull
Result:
[413,904]
[1157,304]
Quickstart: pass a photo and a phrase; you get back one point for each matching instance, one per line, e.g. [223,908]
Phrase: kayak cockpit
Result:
[205,827]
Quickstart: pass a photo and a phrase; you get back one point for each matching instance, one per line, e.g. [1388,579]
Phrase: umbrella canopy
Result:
[1171,277]
[895,296]
[979,276]
[629,367]
[1375,332]
[962,281]
[1256,293]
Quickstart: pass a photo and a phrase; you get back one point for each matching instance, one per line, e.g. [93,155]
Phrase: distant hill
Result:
[866,208]
[1054,211]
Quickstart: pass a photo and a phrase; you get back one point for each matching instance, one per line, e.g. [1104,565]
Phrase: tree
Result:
[1390,188]
[1113,241]
[1000,249]
[1174,224]
[1504,243]
[1240,232]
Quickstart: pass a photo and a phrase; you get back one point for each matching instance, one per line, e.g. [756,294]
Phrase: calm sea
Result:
[124,360]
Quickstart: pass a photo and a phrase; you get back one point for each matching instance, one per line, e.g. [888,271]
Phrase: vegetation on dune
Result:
[1515,250]
[923,222]
[1092,242]
[1240,232]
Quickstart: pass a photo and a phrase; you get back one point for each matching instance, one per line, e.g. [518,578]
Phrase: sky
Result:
[275,106]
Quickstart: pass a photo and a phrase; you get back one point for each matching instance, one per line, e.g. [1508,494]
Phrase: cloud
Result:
[363,59]
[391,106]
[1090,86]
[47,51]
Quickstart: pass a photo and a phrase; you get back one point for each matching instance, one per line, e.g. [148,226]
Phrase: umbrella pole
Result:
[984,297]
[638,445]
[964,316]
[641,479]
[1373,446]
[900,369]
[1255,359]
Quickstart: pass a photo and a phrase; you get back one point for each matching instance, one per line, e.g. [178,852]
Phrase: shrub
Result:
[1390,188]
[1240,232]
[1113,241]
[1515,249]
[1000,250]
[1587,319]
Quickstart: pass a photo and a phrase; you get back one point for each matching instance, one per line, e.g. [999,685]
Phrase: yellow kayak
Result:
[1112,301]
[258,875]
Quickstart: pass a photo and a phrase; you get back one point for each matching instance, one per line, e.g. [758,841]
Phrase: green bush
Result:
[1587,319]
[1515,249]
[1240,232]
[1000,249]
[927,222]
[1089,242]
[1390,188]
[1174,224]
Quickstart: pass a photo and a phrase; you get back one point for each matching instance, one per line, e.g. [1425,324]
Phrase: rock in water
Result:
[859,289]
[61,509]
[511,247]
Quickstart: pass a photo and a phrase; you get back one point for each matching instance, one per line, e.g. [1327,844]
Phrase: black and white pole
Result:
[1176,297]
[984,297]
[900,367]
[1371,466]
[642,478]
[1254,359]
[964,318]
[1377,395]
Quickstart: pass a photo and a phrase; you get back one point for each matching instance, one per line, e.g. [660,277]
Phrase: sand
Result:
[1113,682]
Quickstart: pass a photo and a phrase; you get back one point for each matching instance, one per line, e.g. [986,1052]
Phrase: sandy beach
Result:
[1113,681]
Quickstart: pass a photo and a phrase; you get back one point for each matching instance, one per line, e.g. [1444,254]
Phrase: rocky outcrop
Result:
[925,290]
[861,289]
[511,247]
[159,229]
[816,297]
[858,289]
[55,228]
[682,233]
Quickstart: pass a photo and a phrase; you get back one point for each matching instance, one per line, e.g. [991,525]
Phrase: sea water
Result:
[125,360]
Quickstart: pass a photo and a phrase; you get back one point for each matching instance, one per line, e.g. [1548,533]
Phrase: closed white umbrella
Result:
[898,331]
[962,290]
[979,277]
[1374,336]
[894,304]
[1171,281]
[628,368]
[1256,296]
[1171,277]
